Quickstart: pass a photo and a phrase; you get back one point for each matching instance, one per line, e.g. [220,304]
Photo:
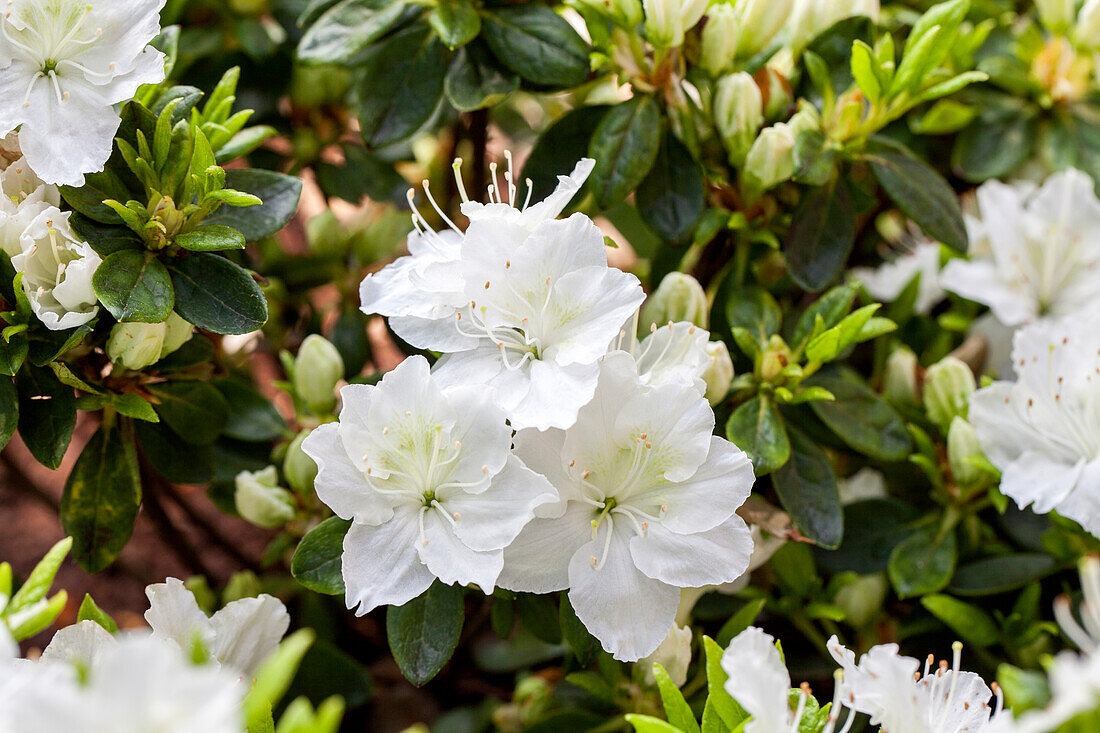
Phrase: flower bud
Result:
[674,654]
[317,369]
[900,382]
[1087,32]
[776,358]
[771,159]
[1056,15]
[760,20]
[810,18]
[261,500]
[679,297]
[244,584]
[862,598]
[777,93]
[948,385]
[135,345]
[738,114]
[626,13]
[667,20]
[177,332]
[299,469]
[962,447]
[719,373]
[720,36]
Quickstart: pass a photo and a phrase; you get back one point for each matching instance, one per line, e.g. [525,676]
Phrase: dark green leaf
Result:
[98,187]
[970,622]
[195,411]
[861,417]
[585,646]
[559,148]
[134,286]
[993,146]
[834,47]
[757,428]
[346,30]
[252,417]
[832,307]
[105,240]
[12,354]
[755,310]
[279,193]
[625,146]
[47,347]
[317,561]
[475,80]
[538,44]
[326,671]
[101,498]
[922,563]
[807,489]
[923,195]
[424,632]
[1000,574]
[363,174]
[211,238]
[670,198]
[540,616]
[740,621]
[880,524]
[822,235]
[179,462]
[9,410]
[400,85]
[47,415]
[349,336]
[456,22]
[215,294]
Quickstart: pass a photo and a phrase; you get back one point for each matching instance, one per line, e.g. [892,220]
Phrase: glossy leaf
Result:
[215,294]
[317,562]
[134,286]
[757,428]
[625,146]
[424,632]
[821,235]
[807,489]
[538,44]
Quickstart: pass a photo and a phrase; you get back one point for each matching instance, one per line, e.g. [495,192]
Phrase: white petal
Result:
[758,680]
[555,395]
[493,518]
[63,141]
[247,632]
[1082,504]
[435,334]
[568,186]
[174,614]
[1035,479]
[537,561]
[82,643]
[482,429]
[980,281]
[339,484]
[450,560]
[586,312]
[541,451]
[628,612]
[716,556]
[678,423]
[381,565]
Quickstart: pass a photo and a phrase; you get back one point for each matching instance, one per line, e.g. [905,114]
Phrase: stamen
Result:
[804,695]
[431,199]
[456,166]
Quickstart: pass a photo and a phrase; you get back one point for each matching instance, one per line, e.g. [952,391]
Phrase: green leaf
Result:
[278,192]
[275,675]
[400,85]
[317,562]
[922,563]
[999,574]
[649,724]
[252,417]
[215,294]
[195,411]
[98,187]
[49,346]
[89,611]
[670,198]
[740,621]
[833,49]
[9,410]
[863,71]
[134,286]
[861,417]
[923,195]
[541,616]
[994,145]
[970,622]
[38,583]
[538,44]
[345,30]
[585,646]
[211,238]
[882,524]
[179,462]
[475,80]
[676,708]
[12,354]
[1024,689]
[821,235]
[757,428]
[105,240]
[829,344]
[807,489]
[832,307]
[362,174]
[101,498]
[556,152]
[755,310]
[132,405]
[47,415]
[625,146]
[424,633]
[727,709]
[456,22]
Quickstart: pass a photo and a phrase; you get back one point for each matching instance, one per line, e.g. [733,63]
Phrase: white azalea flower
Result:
[421,292]
[57,271]
[1043,431]
[886,686]
[886,282]
[23,196]
[1036,252]
[428,478]
[648,500]
[676,352]
[240,636]
[82,644]
[64,64]
[139,684]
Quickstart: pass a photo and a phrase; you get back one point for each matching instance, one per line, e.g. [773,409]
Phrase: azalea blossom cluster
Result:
[187,672]
[548,449]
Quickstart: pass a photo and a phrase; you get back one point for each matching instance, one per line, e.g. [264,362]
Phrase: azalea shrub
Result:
[725,366]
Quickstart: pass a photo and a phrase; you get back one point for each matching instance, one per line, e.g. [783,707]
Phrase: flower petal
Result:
[493,518]
[339,484]
[758,680]
[248,631]
[716,556]
[451,560]
[381,565]
[537,561]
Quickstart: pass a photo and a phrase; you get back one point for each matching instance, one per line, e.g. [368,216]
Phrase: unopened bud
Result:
[777,357]
[1087,32]
[679,297]
[777,93]
[667,20]
[299,469]
[261,500]
[625,13]
[177,332]
[244,584]
[138,345]
[674,654]
[771,159]
[948,385]
[760,21]
[963,447]
[810,18]
[317,369]
[719,373]
[720,36]
[738,114]
[862,598]
[900,381]
[1056,15]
